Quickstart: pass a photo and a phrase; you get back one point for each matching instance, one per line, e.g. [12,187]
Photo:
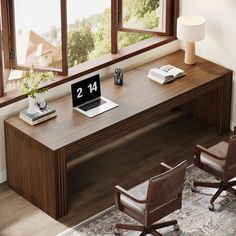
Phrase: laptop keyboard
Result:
[92,105]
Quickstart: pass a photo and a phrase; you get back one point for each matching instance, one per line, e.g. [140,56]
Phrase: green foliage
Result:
[32,80]
[90,38]
[80,44]
[127,39]
[150,20]
[138,8]
[102,37]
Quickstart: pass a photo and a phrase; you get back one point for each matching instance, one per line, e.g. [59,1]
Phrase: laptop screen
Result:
[86,90]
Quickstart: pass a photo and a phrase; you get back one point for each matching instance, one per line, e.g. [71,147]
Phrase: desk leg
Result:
[214,106]
[36,173]
[225,105]
[61,183]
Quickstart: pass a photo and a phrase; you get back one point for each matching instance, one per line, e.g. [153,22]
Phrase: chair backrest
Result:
[231,153]
[165,187]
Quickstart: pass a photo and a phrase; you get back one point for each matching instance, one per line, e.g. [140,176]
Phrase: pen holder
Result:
[118,77]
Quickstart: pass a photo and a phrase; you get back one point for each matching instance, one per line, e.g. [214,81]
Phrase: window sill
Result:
[97,64]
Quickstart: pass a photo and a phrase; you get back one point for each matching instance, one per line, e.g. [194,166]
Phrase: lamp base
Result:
[190,53]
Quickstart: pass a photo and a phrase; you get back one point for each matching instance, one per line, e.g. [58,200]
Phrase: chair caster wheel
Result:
[194,189]
[116,232]
[176,227]
[211,207]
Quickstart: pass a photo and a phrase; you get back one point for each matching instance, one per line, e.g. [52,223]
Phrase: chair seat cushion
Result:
[131,207]
[219,149]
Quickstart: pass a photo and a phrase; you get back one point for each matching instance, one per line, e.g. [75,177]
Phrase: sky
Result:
[40,15]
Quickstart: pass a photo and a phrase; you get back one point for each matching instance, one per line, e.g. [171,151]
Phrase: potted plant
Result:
[32,85]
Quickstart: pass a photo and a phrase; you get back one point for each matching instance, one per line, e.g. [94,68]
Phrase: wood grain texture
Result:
[137,96]
[33,171]
[127,159]
[45,149]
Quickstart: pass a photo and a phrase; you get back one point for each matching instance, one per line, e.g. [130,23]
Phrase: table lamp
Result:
[190,29]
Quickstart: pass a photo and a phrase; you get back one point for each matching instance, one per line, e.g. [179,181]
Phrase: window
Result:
[89,34]
[59,35]
[142,15]
[36,35]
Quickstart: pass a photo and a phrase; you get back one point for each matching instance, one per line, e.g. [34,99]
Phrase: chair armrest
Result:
[200,149]
[165,167]
[120,191]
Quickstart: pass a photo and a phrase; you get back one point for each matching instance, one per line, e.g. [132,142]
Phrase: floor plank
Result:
[126,159]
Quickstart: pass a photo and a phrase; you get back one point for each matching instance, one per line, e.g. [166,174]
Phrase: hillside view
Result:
[89,31]
[90,38]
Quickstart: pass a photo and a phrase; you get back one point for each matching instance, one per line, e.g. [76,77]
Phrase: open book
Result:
[165,74]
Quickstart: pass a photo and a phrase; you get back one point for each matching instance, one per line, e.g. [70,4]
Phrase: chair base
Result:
[222,186]
[151,230]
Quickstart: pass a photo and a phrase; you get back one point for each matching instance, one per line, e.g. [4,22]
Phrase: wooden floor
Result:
[126,159]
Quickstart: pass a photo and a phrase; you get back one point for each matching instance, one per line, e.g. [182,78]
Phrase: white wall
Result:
[219,44]
[15,108]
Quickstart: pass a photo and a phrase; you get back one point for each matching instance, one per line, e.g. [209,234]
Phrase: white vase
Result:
[32,105]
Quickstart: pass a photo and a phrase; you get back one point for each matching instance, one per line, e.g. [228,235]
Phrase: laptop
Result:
[87,99]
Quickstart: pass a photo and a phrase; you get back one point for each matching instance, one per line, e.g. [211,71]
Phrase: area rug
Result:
[194,218]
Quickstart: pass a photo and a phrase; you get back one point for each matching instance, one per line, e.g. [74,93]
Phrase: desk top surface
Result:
[137,95]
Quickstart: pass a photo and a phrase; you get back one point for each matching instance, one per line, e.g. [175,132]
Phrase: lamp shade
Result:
[190,28]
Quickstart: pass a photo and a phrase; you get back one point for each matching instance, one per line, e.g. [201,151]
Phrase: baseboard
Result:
[3,176]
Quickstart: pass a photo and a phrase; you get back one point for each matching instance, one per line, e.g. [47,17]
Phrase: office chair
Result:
[152,200]
[219,161]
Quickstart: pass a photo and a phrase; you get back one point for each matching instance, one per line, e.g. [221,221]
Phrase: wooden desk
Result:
[37,156]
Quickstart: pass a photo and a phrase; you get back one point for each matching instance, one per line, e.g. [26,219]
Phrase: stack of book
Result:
[38,117]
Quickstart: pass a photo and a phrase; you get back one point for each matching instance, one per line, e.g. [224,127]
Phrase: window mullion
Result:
[120,15]
[175,16]
[64,37]
[1,67]
[172,13]
[12,37]
[5,33]
[114,26]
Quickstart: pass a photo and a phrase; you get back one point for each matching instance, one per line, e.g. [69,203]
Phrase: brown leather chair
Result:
[152,200]
[220,161]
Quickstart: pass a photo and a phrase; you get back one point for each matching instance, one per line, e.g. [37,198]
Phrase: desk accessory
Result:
[42,104]
[32,85]
[165,74]
[38,117]
[118,77]
[190,29]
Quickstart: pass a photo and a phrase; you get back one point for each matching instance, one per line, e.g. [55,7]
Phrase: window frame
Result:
[122,28]
[13,50]
[172,10]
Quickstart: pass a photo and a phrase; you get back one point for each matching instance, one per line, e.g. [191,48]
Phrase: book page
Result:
[159,73]
[173,71]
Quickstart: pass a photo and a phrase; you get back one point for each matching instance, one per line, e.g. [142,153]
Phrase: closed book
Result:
[38,115]
[35,122]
